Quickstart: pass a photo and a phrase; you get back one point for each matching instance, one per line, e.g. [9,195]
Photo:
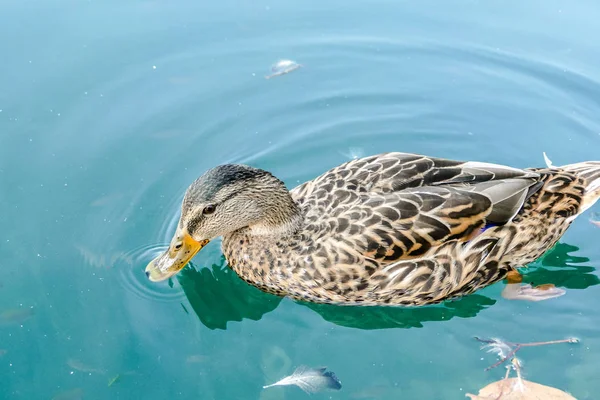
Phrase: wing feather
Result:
[407,204]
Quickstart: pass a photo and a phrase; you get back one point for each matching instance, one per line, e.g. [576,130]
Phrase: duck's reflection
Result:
[562,269]
[218,296]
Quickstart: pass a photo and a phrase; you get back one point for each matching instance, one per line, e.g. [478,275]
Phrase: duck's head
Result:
[223,200]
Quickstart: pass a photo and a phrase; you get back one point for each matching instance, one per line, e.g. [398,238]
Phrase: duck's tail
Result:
[590,172]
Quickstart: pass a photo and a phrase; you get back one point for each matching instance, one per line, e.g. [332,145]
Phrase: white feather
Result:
[311,380]
[548,161]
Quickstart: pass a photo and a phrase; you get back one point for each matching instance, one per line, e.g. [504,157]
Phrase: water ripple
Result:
[133,279]
[132,275]
[321,113]
[116,244]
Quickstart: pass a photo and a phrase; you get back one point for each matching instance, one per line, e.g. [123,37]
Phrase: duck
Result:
[394,228]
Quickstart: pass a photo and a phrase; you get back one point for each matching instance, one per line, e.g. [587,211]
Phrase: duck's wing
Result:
[407,224]
[400,206]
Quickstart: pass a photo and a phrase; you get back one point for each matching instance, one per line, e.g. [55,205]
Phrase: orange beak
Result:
[182,249]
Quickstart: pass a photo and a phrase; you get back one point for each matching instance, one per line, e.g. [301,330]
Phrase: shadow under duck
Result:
[393,228]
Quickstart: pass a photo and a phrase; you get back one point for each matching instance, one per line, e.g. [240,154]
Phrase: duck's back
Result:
[396,205]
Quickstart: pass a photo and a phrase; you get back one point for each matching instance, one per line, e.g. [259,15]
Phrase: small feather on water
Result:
[283,67]
[547,161]
[595,219]
[311,380]
[497,346]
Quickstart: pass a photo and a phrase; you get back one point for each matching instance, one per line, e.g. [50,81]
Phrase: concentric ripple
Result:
[393,105]
[131,270]
[133,279]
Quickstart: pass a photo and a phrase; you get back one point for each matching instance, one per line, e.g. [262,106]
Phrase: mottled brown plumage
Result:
[393,228]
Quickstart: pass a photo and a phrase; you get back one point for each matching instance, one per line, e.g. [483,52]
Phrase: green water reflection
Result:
[218,296]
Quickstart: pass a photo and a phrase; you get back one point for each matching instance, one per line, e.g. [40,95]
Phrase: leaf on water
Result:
[519,389]
[311,380]
[114,380]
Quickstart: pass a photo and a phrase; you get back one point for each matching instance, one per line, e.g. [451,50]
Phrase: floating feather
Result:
[311,380]
[595,219]
[499,347]
[549,163]
[283,67]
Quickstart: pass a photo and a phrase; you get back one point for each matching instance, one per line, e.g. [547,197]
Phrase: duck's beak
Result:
[183,247]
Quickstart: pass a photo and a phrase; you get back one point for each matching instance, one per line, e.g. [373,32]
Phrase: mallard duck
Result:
[388,229]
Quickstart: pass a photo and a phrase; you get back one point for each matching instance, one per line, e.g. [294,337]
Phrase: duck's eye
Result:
[208,209]
[178,246]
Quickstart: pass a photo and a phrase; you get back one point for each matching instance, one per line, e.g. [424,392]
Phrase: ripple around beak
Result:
[168,264]
[155,274]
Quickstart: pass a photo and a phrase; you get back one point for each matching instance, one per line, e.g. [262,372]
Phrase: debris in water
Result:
[519,389]
[507,350]
[595,219]
[283,67]
[516,388]
[518,291]
[184,309]
[515,290]
[114,380]
[497,346]
[311,380]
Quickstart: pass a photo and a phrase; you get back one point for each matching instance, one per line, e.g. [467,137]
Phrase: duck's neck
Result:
[282,217]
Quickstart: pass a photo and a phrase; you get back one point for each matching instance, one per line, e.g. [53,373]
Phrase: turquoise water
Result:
[109,110]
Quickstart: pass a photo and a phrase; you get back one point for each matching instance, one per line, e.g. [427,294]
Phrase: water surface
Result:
[109,110]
